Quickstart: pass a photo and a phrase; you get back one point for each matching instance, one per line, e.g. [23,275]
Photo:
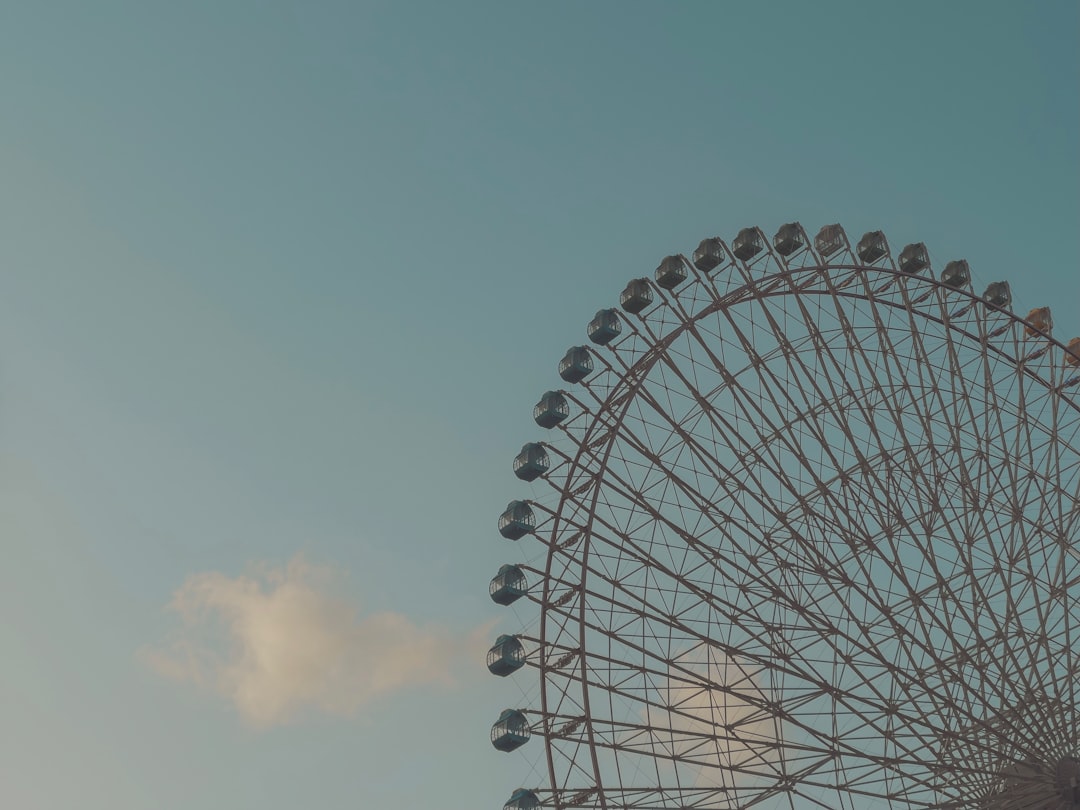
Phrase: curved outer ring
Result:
[622,394]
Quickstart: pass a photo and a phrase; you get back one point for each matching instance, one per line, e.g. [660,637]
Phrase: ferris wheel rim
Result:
[635,379]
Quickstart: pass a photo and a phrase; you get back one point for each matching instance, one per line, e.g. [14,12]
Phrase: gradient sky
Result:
[280,284]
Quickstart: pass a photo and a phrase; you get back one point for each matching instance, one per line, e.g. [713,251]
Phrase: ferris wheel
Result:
[810,539]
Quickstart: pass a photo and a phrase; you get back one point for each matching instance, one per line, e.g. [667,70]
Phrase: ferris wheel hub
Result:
[1032,785]
[1068,781]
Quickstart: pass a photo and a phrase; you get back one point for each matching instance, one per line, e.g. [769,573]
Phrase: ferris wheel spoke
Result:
[1014,469]
[689,632]
[889,374]
[808,319]
[1041,567]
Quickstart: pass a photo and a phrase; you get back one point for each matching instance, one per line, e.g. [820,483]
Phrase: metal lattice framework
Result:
[812,541]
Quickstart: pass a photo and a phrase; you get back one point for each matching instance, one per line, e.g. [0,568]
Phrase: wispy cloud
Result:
[709,712]
[282,640]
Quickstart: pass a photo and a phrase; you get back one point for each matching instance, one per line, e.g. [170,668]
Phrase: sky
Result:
[280,284]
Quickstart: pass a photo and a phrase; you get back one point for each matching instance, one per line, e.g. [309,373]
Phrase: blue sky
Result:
[281,282]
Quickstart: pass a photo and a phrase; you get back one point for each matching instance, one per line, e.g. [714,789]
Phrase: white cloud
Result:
[283,640]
